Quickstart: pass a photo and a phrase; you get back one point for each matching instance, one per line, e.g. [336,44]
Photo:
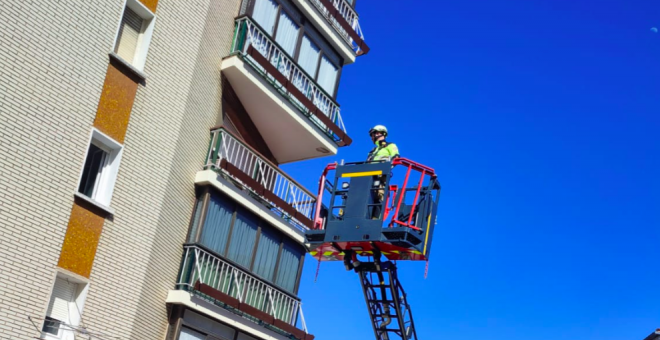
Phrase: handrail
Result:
[291,80]
[264,158]
[226,146]
[345,20]
[200,265]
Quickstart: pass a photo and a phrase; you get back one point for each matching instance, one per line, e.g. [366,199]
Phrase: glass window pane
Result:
[197,214]
[189,334]
[92,170]
[214,329]
[243,336]
[327,76]
[51,326]
[309,56]
[269,246]
[265,12]
[288,268]
[217,224]
[243,238]
[287,34]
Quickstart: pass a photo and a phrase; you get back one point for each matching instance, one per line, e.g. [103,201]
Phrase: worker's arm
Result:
[393,151]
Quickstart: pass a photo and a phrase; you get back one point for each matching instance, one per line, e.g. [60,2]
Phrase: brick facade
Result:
[53,62]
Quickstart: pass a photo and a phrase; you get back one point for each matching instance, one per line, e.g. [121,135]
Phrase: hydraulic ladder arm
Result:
[389,311]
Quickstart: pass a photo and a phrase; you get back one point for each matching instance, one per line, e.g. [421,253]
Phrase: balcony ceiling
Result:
[289,134]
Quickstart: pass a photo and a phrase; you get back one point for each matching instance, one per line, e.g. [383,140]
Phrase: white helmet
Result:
[379,128]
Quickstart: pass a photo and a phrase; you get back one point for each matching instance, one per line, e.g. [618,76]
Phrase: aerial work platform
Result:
[386,207]
[377,209]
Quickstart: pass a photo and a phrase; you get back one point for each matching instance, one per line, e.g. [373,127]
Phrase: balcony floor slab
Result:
[189,300]
[212,178]
[290,135]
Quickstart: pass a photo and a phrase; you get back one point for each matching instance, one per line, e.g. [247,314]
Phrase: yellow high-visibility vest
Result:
[383,151]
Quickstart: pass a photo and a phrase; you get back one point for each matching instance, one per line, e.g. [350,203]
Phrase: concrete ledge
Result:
[305,138]
[141,75]
[181,297]
[109,211]
[212,178]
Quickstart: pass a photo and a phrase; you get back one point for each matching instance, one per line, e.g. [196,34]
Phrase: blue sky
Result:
[541,119]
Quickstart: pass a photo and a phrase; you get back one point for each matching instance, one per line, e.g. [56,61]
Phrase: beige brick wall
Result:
[53,59]
[51,74]
[166,142]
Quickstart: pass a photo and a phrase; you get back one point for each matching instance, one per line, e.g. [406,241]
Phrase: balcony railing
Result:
[269,59]
[271,185]
[343,18]
[201,266]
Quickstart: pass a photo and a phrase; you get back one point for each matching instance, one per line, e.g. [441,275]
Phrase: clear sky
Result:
[541,118]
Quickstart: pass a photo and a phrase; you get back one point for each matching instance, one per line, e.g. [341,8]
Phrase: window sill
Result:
[106,209]
[141,75]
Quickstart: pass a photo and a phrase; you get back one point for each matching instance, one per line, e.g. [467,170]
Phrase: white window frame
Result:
[103,189]
[75,310]
[144,39]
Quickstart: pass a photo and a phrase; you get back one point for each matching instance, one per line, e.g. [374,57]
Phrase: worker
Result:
[383,151]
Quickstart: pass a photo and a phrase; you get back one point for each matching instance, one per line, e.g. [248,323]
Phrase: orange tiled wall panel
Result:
[82,237]
[115,104]
[150,4]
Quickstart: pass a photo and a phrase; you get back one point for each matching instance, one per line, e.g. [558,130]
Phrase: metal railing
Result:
[225,146]
[247,34]
[347,12]
[209,269]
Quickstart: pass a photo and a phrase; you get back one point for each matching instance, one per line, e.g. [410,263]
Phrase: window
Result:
[243,238]
[266,257]
[243,336]
[287,34]
[64,308]
[309,56]
[214,329]
[97,157]
[217,224]
[195,222]
[129,33]
[314,55]
[189,334]
[287,274]
[134,34]
[233,232]
[265,12]
[100,169]
[52,326]
[327,76]
[200,327]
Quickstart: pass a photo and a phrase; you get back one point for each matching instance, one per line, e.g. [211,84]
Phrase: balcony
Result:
[277,191]
[296,117]
[339,24]
[220,282]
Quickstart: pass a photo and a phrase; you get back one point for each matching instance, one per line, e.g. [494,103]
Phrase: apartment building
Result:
[654,336]
[140,189]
